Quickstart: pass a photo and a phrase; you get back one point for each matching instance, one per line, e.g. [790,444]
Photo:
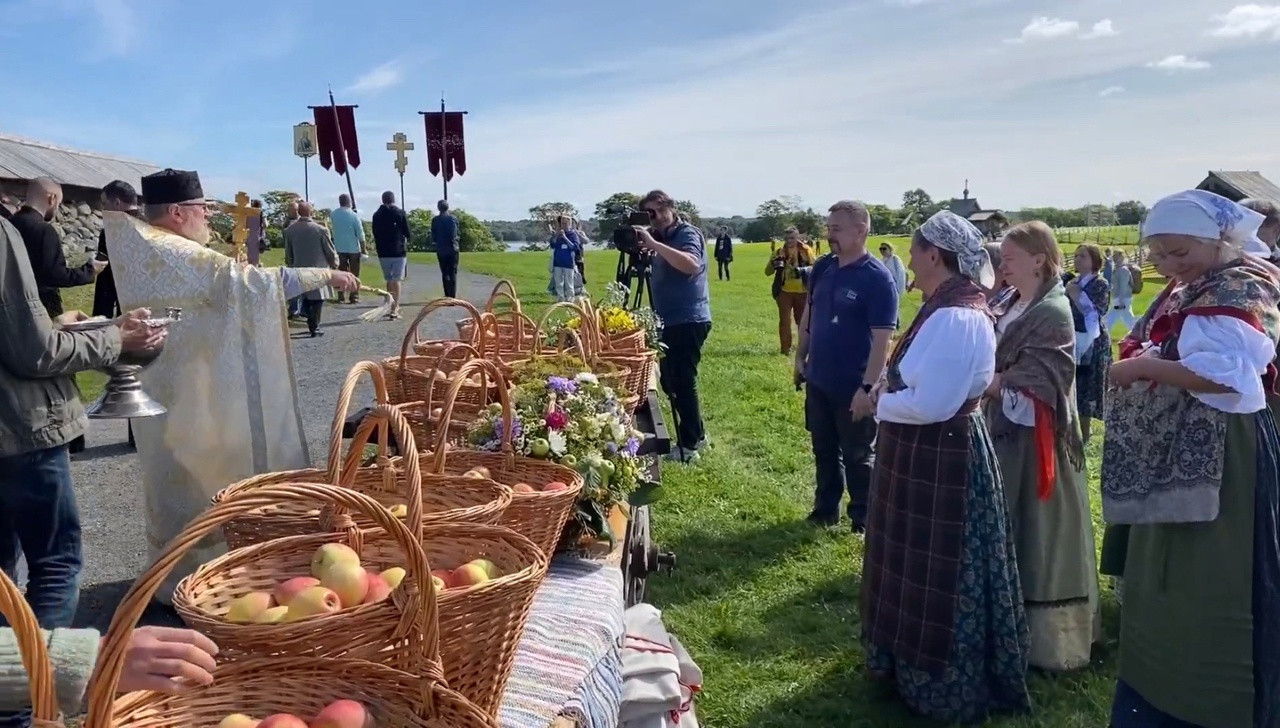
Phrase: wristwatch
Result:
[868,387]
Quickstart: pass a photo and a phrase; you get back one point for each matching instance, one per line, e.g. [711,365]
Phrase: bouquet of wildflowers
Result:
[581,424]
[615,318]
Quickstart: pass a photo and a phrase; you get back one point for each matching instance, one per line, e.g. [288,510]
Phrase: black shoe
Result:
[317,334]
[821,522]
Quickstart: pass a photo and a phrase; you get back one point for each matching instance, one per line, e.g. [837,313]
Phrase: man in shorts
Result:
[391,238]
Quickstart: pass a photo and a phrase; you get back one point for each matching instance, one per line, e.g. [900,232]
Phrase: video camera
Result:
[624,236]
[633,261]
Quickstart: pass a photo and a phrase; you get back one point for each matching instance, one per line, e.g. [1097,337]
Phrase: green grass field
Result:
[766,604]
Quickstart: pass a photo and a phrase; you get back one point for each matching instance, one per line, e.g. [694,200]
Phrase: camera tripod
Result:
[635,272]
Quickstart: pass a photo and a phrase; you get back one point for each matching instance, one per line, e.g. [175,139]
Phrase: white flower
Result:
[618,431]
[558,443]
[586,378]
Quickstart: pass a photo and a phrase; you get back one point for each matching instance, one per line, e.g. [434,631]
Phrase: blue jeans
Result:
[39,519]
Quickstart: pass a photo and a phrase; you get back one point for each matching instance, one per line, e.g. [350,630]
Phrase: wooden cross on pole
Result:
[241,212]
[400,144]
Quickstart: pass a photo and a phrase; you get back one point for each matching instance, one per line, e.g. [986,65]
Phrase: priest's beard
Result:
[199,233]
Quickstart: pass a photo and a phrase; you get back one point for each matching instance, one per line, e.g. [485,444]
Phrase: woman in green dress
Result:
[1191,463]
[1031,408]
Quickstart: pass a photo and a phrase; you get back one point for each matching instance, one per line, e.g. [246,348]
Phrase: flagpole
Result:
[342,149]
[445,169]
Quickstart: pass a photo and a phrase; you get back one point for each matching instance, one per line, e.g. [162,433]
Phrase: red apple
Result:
[554,486]
[468,575]
[283,720]
[379,589]
[293,587]
[343,714]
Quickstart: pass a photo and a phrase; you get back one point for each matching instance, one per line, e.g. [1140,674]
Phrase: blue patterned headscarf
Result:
[1202,214]
[949,231]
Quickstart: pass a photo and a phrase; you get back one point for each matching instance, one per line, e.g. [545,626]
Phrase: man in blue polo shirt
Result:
[844,344]
[348,240]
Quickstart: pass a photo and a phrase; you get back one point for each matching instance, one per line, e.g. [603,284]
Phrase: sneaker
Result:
[683,455]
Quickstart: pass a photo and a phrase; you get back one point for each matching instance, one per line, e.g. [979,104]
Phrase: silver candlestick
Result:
[123,398]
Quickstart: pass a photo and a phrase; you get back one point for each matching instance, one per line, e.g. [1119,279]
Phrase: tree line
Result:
[771,219]
[774,216]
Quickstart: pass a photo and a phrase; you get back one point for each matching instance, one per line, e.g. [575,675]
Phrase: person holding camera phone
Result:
[789,289]
[678,285]
[566,247]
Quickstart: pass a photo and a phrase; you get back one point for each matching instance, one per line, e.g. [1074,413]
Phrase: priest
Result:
[231,413]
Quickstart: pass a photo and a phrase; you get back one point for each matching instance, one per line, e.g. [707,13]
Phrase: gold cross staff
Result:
[400,144]
[241,212]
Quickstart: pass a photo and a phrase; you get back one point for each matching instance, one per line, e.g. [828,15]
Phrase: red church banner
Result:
[446,148]
[336,137]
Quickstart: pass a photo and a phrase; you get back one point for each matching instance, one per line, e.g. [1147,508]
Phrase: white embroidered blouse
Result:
[1229,352]
[951,360]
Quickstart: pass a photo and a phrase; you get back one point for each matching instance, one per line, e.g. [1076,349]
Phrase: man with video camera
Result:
[678,287]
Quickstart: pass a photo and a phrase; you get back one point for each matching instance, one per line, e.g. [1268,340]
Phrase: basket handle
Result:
[34,652]
[541,330]
[416,597]
[475,354]
[335,465]
[382,417]
[412,337]
[510,293]
[446,415]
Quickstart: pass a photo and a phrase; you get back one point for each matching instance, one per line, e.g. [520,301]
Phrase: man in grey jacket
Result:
[40,413]
[308,244]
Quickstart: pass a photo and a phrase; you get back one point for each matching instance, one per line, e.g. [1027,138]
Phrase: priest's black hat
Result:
[171,186]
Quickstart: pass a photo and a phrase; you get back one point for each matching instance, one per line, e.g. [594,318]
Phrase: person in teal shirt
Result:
[348,240]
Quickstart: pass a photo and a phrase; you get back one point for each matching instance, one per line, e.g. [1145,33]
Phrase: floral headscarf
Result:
[949,231]
[1202,214]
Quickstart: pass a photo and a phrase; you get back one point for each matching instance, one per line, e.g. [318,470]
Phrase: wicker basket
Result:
[538,515]
[45,712]
[453,499]
[586,340]
[516,331]
[626,341]
[433,347]
[404,629]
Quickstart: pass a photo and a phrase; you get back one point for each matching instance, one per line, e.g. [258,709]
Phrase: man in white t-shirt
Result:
[1121,293]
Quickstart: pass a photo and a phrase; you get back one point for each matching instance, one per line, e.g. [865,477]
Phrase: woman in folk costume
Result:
[942,609]
[1091,293]
[1031,410]
[1190,465]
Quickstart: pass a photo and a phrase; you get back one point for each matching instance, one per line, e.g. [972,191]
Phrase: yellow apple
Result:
[438,583]
[468,575]
[312,602]
[272,615]
[394,576]
[489,568]
[473,474]
[522,488]
[349,581]
[330,555]
[247,608]
[238,720]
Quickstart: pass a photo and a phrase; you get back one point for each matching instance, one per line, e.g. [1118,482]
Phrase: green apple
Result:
[568,461]
[540,448]
[607,467]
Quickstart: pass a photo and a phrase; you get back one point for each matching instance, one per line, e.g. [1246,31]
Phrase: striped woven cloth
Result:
[570,655]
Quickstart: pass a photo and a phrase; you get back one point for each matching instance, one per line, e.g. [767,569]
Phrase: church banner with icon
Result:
[305,142]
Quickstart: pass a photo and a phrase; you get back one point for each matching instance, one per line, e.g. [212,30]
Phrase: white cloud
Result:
[1101,29]
[1043,28]
[1111,91]
[379,79]
[1179,62]
[1248,21]
[746,127]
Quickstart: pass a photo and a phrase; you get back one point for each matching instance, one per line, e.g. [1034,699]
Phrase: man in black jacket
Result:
[35,223]
[118,196]
[391,238]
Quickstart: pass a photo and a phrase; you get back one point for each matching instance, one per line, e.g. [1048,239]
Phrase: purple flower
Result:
[560,385]
[611,448]
[516,428]
[632,447]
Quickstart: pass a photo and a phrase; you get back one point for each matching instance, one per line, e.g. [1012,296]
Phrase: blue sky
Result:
[724,102]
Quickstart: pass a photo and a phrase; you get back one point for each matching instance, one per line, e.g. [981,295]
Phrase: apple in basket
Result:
[283,720]
[349,581]
[488,566]
[273,615]
[469,574]
[394,576]
[330,555]
[293,587]
[343,714]
[238,720]
[554,486]
[523,488]
[476,474]
[317,600]
[378,590]
[399,510]
[247,608]
[482,470]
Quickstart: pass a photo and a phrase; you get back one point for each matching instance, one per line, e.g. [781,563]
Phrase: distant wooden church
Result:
[992,223]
